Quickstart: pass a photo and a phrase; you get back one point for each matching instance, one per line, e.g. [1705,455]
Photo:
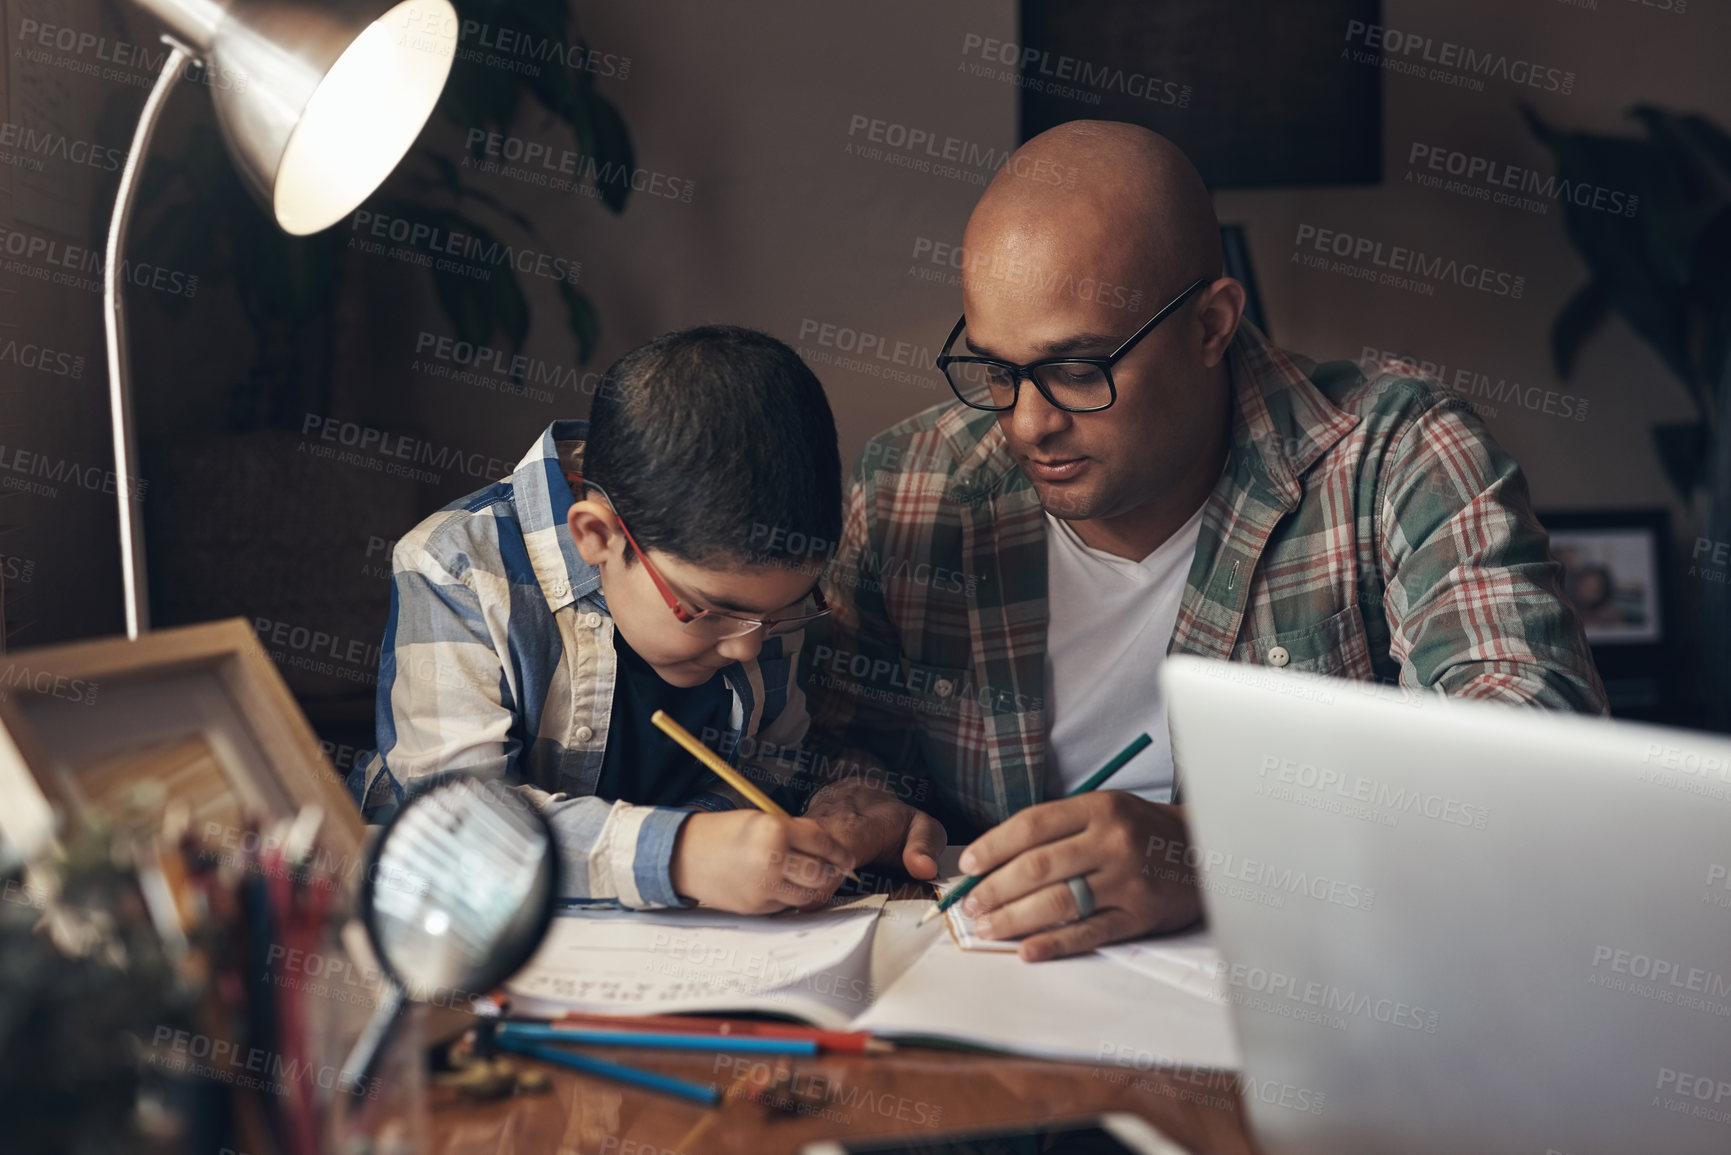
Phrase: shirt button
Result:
[592,620]
[558,589]
[942,687]
[583,734]
[1278,656]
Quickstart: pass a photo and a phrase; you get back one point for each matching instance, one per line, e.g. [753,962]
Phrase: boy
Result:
[626,566]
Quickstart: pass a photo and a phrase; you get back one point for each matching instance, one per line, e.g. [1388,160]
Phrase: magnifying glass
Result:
[459,892]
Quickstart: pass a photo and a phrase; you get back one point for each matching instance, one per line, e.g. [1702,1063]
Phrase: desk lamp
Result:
[318,101]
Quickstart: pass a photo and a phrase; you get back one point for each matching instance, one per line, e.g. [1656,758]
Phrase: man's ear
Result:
[1222,308]
[595,531]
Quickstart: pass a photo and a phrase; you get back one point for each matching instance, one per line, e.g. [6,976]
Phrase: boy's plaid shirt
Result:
[498,660]
[1371,528]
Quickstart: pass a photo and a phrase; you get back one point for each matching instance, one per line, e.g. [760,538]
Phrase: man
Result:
[1015,564]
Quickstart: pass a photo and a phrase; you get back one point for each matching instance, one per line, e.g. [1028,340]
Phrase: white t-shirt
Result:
[1110,620]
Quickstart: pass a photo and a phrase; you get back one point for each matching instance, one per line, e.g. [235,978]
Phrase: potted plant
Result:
[1664,267]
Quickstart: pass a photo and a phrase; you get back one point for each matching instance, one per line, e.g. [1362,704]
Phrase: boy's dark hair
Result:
[716,444]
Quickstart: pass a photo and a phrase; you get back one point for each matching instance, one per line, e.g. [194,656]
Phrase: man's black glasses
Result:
[1073,384]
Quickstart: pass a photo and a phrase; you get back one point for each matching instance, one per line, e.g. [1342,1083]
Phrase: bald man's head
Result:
[1100,198]
[1083,237]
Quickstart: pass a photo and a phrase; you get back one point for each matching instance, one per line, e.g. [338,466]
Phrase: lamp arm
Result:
[114,322]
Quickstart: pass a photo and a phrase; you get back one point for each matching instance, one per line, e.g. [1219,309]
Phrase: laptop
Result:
[1453,926]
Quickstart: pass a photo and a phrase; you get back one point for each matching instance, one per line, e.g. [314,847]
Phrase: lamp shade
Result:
[318,99]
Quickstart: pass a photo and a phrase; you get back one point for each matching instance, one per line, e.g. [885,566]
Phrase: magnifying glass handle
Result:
[363,1057]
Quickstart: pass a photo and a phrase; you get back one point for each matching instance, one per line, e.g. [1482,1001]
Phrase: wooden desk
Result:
[914,1093]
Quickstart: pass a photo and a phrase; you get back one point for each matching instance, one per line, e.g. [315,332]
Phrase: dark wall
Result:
[770,195]
[1252,90]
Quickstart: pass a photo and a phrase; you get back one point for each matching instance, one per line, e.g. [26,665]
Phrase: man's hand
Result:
[876,826]
[750,862]
[1106,837]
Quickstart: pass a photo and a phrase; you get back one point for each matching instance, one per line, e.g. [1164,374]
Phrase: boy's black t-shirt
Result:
[642,765]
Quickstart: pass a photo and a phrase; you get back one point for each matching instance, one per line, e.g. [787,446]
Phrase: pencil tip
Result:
[929,915]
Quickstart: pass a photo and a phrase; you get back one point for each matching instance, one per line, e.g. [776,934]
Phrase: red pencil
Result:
[841,1042]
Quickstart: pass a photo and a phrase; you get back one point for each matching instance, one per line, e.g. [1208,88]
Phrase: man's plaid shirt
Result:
[1369,527]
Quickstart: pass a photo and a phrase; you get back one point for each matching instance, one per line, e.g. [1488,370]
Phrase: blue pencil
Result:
[667,1041]
[700,1092]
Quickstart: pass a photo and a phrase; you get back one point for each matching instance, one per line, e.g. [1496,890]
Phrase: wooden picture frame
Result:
[199,715]
[200,711]
[1629,611]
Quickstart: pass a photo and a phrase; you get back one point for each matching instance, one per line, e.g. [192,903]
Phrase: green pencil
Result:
[1141,743]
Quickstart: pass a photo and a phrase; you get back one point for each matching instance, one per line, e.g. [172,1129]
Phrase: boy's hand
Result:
[876,826]
[750,862]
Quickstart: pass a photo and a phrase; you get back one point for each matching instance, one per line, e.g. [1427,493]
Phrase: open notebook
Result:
[1149,1002]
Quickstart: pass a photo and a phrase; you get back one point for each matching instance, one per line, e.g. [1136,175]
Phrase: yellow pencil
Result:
[721,769]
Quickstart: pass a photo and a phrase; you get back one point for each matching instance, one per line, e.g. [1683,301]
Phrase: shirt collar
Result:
[1281,423]
[543,498]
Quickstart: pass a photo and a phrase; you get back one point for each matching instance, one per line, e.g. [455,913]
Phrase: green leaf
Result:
[479,307]
[1682,448]
[581,318]
[1662,269]
[449,174]
[1580,319]
[612,147]
[481,196]
[1697,143]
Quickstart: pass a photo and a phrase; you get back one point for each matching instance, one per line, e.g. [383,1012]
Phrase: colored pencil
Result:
[704,1093]
[660,1040]
[1139,744]
[841,1042]
[721,769]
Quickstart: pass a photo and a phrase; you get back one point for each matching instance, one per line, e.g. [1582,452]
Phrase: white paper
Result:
[949,877]
[1186,961]
[1087,1007]
[814,967]
[963,927]
[969,939]
[1099,1007]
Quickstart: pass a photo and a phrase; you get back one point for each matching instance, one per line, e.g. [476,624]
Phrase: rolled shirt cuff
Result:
[643,865]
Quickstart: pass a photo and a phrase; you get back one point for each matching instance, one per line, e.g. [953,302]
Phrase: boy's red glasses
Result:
[712,624]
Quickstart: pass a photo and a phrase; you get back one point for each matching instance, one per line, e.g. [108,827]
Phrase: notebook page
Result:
[1186,961]
[814,967]
[1088,1008]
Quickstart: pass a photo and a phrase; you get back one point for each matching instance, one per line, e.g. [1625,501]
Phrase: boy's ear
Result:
[594,529]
